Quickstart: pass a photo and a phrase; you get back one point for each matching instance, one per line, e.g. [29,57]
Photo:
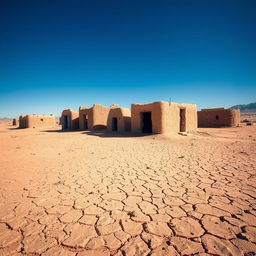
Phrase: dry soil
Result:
[78,193]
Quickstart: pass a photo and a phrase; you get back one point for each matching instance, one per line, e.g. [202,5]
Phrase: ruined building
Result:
[69,120]
[157,117]
[218,117]
[119,119]
[22,121]
[36,121]
[15,121]
[163,117]
[94,118]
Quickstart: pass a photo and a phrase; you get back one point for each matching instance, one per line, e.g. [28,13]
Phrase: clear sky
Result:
[57,54]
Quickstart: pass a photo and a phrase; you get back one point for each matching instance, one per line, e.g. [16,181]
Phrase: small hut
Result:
[94,118]
[119,119]
[218,117]
[69,120]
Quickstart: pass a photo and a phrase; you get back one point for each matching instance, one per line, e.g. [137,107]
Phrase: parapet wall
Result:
[218,117]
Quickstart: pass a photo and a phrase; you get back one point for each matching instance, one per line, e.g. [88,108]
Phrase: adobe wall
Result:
[82,112]
[165,116]
[37,121]
[156,116]
[123,116]
[99,116]
[174,116]
[218,117]
[73,119]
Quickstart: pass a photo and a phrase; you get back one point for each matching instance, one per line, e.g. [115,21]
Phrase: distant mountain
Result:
[4,118]
[251,107]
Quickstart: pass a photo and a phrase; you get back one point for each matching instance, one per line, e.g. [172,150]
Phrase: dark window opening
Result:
[146,122]
[217,117]
[114,124]
[182,120]
[42,119]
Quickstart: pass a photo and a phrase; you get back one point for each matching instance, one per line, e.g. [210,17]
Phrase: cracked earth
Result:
[76,194]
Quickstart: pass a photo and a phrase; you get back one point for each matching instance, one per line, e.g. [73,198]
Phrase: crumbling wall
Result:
[69,119]
[218,117]
[123,118]
[165,116]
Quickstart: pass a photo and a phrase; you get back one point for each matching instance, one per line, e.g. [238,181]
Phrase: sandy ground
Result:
[75,193]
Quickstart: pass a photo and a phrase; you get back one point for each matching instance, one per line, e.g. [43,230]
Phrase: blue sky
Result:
[57,54]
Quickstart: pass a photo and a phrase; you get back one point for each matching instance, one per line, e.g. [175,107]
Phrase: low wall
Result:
[218,117]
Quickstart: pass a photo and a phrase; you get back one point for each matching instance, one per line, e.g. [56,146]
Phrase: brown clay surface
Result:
[72,193]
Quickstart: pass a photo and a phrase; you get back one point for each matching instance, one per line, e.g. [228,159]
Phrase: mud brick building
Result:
[119,119]
[218,117]
[163,117]
[69,120]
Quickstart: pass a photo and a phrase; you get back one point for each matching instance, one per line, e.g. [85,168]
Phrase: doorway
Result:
[114,124]
[146,122]
[182,120]
[85,122]
[65,122]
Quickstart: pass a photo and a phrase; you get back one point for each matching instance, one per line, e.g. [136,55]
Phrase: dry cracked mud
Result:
[74,193]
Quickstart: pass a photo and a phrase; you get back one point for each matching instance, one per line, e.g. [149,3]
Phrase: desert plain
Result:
[80,193]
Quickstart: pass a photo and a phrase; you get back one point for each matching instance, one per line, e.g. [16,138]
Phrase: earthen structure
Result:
[22,121]
[15,121]
[163,117]
[94,118]
[119,119]
[36,121]
[69,120]
[85,118]
[218,117]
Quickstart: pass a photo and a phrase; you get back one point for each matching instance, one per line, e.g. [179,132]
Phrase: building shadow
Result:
[15,128]
[106,134]
[61,131]
[103,133]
